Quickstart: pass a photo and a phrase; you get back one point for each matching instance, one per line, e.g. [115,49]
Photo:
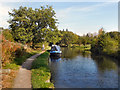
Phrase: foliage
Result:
[54,36]
[20,58]
[110,45]
[79,40]
[107,43]
[8,51]
[7,34]
[82,47]
[84,41]
[23,35]
[13,53]
[68,37]
[41,72]
[12,66]
[30,25]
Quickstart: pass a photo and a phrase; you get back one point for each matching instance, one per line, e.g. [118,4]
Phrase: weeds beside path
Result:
[23,78]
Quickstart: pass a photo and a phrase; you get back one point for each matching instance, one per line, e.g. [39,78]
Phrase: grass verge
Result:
[87,47]
[15,64]
[41,73]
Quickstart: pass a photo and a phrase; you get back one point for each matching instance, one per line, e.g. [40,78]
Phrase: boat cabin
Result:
[55,49]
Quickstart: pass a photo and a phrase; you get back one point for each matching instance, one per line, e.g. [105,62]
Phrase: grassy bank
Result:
[15,64]
[86,47]
[41,72]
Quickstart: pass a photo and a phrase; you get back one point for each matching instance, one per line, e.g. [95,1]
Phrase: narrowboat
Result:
[55,50]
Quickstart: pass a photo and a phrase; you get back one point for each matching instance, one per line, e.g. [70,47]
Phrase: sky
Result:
[78,17]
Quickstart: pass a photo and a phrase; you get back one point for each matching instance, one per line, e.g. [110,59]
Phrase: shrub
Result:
[8,51]
[7,34]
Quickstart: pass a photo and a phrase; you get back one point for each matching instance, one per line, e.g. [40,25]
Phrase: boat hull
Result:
[55,51]
[55,54]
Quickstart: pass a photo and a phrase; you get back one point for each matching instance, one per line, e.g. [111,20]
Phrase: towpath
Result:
[23,78]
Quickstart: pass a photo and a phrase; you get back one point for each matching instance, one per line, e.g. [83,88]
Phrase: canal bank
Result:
[41,72]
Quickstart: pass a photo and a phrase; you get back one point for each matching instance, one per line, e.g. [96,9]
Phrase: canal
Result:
[82,69]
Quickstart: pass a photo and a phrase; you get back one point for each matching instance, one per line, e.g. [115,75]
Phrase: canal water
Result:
[82,69]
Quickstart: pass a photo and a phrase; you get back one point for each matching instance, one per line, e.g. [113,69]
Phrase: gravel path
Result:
[23,78]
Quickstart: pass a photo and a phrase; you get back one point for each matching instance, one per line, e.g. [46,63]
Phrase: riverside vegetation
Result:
[13,55]
[41,73]
[35,27]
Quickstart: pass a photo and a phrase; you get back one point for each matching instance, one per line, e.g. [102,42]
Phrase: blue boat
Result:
[55,50]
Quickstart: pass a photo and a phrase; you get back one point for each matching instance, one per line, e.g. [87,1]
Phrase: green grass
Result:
[87,47]
[18,61]
[41,72]
[12,66]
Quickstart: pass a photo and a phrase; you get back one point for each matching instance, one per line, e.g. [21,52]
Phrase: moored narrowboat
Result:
[55,50]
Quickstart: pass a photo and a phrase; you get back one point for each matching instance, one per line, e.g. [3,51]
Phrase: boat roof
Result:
[57,47]
[54,45]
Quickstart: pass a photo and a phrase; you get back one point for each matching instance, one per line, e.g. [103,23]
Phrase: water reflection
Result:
[71,53]
[105,63]
[55,59]
[81,69]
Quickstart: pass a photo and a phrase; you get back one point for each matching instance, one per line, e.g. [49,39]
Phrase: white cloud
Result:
[109,30]
[4,15]
[64,13]
[79,33]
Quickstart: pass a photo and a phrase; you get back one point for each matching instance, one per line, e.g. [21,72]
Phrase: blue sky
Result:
[79,17]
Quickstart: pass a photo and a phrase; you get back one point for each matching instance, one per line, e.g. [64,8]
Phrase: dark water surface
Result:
[78,69]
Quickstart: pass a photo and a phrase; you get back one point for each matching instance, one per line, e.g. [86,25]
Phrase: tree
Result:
[79,40]
[107,43]
[84,41]
[30,25]
[20,25]
[68,38]
[110,45]
[101,31]
[53,36]
[7,34]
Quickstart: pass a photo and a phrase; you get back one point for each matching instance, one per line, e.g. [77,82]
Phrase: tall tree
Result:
[28,25]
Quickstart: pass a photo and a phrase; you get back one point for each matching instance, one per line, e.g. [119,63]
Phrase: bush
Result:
[20,52]
[107,44]
[7,34]
[8,51]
